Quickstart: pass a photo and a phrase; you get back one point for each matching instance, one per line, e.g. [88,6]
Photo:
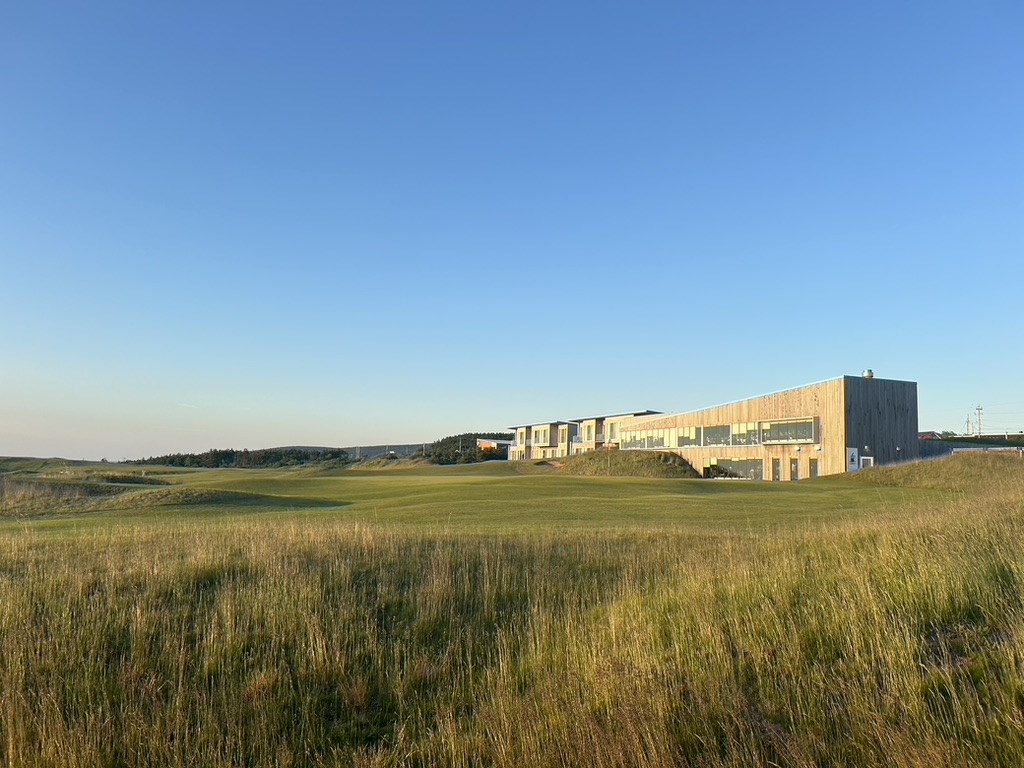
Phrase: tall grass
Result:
[894,639]
[21,497]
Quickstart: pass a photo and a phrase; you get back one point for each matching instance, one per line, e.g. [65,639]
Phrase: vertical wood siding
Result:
[849,411]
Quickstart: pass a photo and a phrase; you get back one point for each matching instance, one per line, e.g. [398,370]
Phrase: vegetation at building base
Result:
[628,464]
[693,628]
[461,449]
[246,459]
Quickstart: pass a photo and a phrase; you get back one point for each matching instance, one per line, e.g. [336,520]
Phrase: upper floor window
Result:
[718,435]
[788,431]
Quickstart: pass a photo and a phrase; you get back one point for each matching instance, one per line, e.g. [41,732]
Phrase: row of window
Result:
[751,433]
[753,469]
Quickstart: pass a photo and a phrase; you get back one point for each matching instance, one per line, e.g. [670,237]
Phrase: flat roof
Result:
[778,392]
[616,415]
[538,424]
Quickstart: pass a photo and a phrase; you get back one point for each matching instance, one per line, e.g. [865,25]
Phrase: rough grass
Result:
[37,496]
[887,630]
[26,495]
[960,472]
[387,463]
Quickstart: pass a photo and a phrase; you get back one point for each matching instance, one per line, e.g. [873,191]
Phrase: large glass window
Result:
[632,440]
[748,469]
[688,436]
[718,435]
[788,431]
[745,434]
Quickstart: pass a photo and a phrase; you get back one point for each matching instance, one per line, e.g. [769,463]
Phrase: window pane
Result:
[749,469]
[718,435]
[788,431]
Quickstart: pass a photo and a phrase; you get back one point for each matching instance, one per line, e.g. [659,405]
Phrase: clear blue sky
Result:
[254,224]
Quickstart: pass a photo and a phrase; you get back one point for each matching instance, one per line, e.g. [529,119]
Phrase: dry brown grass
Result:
[893,640]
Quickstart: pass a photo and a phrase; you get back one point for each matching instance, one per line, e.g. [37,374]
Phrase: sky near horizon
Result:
[245,225]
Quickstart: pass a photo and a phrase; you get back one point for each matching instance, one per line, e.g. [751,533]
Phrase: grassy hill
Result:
[628,464]
[959,472]
[514,615]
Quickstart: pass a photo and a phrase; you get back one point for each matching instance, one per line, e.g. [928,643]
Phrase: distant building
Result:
[546,440]
[483,444]
[827,428]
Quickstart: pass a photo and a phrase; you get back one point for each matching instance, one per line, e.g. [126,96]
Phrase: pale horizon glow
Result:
[255,225]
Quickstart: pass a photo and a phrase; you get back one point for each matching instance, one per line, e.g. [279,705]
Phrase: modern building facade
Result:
[597,432]
[556,439]
[546,440]
[827,428]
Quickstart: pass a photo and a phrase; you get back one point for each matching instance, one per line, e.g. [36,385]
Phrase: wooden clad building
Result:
[834,426]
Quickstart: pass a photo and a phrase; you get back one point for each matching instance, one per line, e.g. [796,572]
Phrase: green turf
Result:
[496,496]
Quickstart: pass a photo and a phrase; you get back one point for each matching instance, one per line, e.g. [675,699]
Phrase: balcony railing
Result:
[598,438]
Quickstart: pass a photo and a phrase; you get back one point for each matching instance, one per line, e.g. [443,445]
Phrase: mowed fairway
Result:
[509,614]
[521,497]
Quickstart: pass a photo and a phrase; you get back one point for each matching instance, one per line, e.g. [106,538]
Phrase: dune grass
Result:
[347,619]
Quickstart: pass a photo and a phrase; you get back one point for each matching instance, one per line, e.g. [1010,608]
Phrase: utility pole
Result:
[979,409]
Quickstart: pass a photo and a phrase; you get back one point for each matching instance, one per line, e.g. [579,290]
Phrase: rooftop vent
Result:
[869,374]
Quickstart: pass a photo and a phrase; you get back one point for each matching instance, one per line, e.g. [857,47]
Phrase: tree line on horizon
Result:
[262,458]
[454,449]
